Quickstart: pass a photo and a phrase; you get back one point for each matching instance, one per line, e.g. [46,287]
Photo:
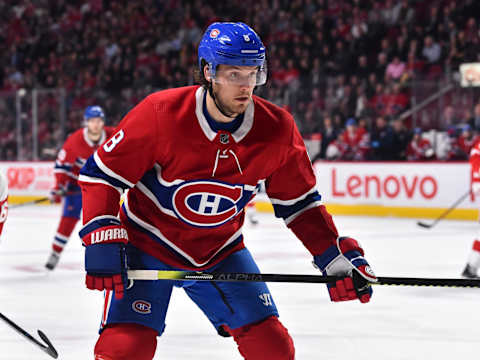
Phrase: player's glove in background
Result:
[56,194]
[345,259]
[105,256]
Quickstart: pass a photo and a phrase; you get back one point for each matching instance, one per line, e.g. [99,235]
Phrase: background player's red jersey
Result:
[419,150]
[74,153]
[3,201]
[189,184]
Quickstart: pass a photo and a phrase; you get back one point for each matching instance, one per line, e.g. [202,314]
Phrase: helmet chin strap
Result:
[217,104]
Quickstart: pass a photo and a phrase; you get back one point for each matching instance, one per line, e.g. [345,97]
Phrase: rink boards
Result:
[400,189]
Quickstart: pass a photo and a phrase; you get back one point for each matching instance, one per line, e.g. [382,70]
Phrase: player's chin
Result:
[240,107]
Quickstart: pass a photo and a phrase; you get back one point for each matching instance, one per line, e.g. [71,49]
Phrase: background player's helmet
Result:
[93,112]
[232,44]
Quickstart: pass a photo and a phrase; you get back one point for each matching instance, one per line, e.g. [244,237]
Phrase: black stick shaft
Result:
[292,278]
[446,212]
[32,202]
[49,349]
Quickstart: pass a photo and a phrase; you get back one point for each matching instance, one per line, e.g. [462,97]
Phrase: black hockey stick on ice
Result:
[49,349]
[445,213]
[206,276]
[37,201]
[32,202]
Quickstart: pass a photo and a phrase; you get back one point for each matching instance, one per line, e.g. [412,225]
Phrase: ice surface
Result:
[399,323]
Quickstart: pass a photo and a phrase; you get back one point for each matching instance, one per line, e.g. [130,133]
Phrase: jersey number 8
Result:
[114,140]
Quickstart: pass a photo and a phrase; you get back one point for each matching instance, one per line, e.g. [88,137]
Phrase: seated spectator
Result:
[353,143]
[475,123]
[381,140]
[454,151]
[397,101]
[381,66]
[329,134]
[431,51]
[449,118]
[401,139]
[395,70]
[419,149]
[466,141]
[333,151]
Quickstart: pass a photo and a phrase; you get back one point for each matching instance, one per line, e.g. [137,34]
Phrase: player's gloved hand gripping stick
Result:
[345,259]
[105,258]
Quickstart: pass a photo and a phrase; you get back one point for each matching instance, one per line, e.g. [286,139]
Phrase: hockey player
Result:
[419,149]
[3,201]
[192,158]
[473,262]
[77,148]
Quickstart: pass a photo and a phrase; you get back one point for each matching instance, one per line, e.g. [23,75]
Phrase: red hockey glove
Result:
[56,194]
[105,256]
[346,259]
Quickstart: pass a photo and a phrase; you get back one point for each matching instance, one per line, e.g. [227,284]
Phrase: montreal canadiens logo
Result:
[214,33]
[206,203]
[142,307]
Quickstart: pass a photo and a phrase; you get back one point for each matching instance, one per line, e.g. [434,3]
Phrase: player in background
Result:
[419,148]
[473,262]
[3,201]
[192,158]
[75,151]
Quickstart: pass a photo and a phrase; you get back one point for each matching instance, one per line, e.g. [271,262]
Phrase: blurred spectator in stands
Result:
[363,70]
[338,120]
[433,19]
[397,101]
[353,143]
[419,149]
[336,149]
[371,85]
[395,70]
[387,48]
[361,108]
[381,140]
[471,29]
[401,47]
[381,66]
[454,151]
[466,141]
[431,51]
[378,102]
[403,13]
[414,67]
[449,118]
[475,123]
[329,134]
[359,27]
[401,139]
[388,13]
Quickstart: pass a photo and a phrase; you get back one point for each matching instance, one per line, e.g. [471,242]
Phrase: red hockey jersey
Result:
[188,185]
[3,201]
[475,163]
[74,153]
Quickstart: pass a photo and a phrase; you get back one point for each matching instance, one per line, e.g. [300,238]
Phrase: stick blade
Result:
[49,349]
[426,226]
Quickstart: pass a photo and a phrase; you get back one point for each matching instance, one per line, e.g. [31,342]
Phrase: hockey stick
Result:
[32,202]
[49,349]
[445,213]
[205,276]
[43,199]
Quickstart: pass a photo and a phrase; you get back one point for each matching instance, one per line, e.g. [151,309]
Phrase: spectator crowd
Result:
[343,68]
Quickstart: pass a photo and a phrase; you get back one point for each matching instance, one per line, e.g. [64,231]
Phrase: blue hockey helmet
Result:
[235,44]
[93,112]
